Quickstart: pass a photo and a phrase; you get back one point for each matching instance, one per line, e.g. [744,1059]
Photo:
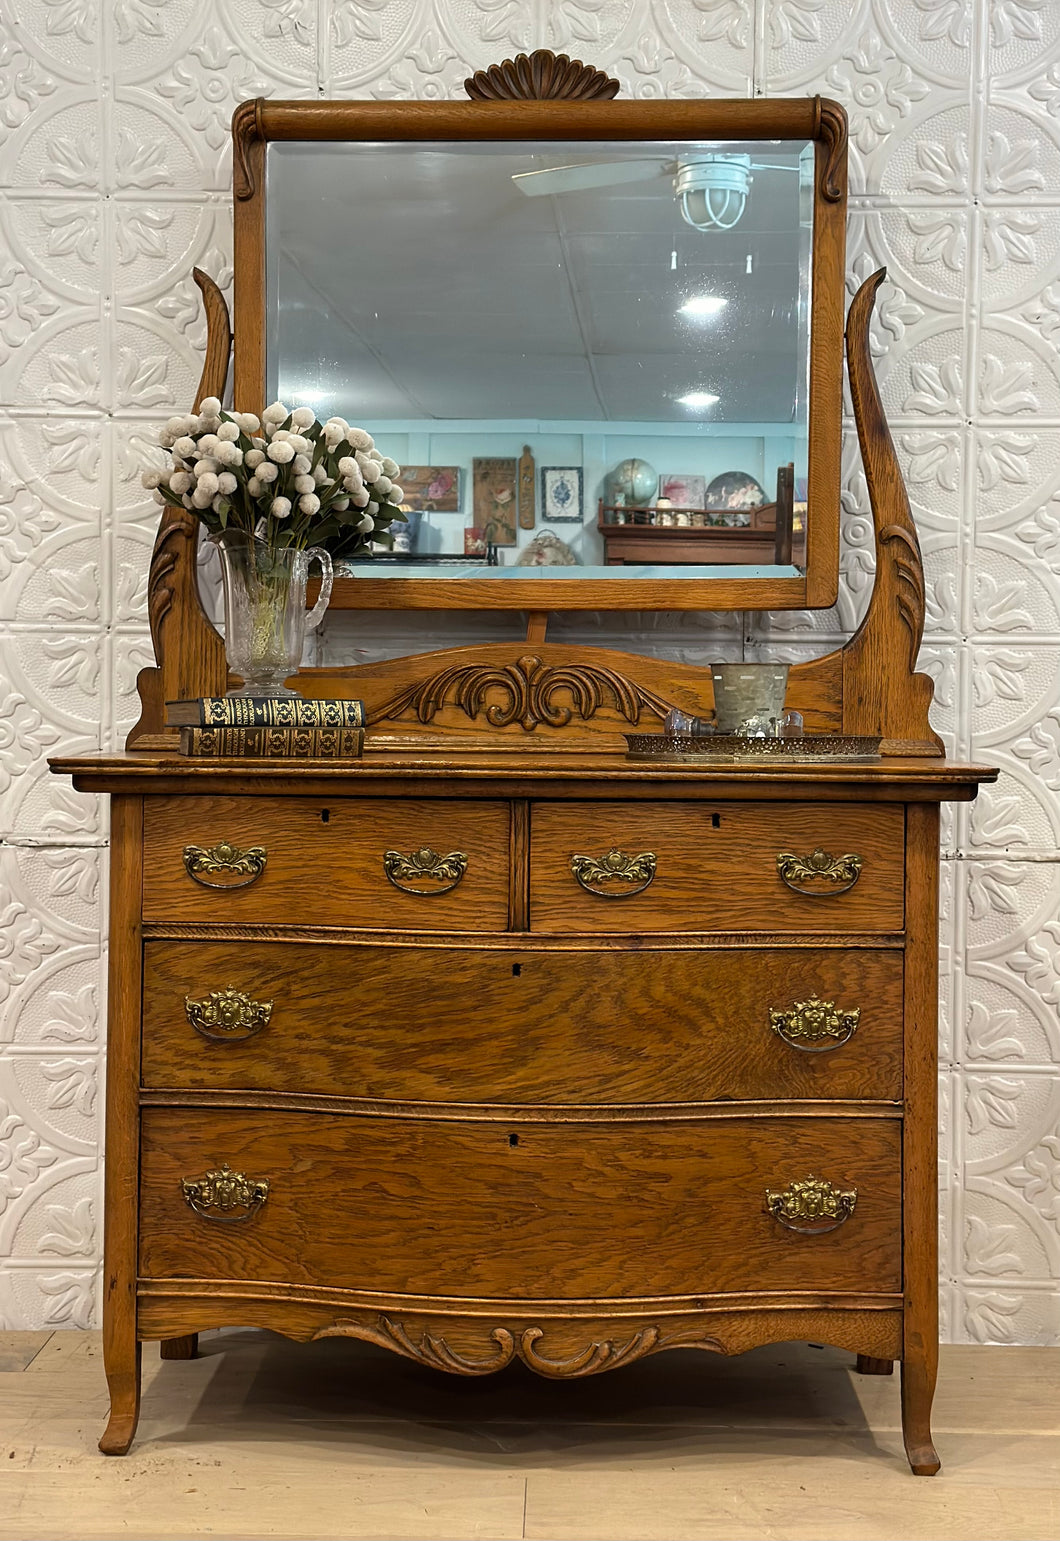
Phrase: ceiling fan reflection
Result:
[711,190]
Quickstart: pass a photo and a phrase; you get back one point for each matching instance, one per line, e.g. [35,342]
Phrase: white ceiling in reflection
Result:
[410,281]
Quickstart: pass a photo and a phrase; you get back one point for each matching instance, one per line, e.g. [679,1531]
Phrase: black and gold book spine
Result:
[265,712]
[261,743]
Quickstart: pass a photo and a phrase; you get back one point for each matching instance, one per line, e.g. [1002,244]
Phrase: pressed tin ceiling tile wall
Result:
[115,176]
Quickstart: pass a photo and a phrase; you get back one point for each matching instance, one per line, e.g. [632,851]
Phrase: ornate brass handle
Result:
[242,867]
[424,872]
[226,1016]
[811,1206]
[225,1196]
[633,874]
[837,873]
[815,1026]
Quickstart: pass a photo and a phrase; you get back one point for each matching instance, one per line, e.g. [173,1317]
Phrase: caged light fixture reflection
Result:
[712,190]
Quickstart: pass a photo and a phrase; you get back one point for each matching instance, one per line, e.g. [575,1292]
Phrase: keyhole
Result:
[517,969]
[325,815]
[715,820]
[513,1139]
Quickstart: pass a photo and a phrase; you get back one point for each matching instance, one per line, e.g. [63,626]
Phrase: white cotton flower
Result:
[186,500]
[300,444]
[360,498]
[309,504]
[282,453]
[340,505]
[208,444]
[150,480]
[304,484]
[253,458]
[229,431]
[267,472]
[158,497]
[211,407]
[334,433]
[360,439]
[202,499]
[390,467]
[186,448]
[397,494]
[301,465]
[373,508]
[319,473]
[205,466]
[366,524]
[277,413]
[226,483]
[281,508]
[371,470]
[255,487]
[229,454]
[247,421]
[303,417]
[180,482]
[175,426]
[260,443]
[165,439]
[348,466]
[207,483]
[383,485]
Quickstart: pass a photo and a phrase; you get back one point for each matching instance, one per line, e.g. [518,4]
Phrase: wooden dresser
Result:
[498,1044]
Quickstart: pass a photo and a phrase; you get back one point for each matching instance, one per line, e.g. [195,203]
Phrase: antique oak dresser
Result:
[498,1045]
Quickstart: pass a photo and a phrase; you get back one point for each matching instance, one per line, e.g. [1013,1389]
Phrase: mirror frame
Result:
[256,124]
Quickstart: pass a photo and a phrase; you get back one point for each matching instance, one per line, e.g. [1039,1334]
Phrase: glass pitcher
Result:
[265,615]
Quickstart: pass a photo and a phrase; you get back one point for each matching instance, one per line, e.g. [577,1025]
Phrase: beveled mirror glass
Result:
[605,364]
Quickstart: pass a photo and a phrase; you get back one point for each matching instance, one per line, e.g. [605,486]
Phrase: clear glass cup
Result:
[265,615]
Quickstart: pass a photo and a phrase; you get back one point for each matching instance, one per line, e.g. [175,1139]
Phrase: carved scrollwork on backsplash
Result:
[541,76]
[594,1356]
[530,688]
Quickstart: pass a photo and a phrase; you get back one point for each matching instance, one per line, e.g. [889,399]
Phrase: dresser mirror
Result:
[616,326]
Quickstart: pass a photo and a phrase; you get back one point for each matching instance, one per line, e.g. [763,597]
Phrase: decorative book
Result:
[263,712]
[263,743]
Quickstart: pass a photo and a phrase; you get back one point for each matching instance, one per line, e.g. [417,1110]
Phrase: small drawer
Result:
[526,1026]
[365,863]
[633,868]
[520,1210]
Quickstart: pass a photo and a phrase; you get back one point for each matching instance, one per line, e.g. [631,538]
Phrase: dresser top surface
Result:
[518,769]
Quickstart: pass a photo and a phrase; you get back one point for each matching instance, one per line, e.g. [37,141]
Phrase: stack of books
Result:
[268,728]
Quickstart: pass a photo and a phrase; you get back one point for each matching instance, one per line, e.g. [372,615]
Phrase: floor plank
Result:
[260,1437]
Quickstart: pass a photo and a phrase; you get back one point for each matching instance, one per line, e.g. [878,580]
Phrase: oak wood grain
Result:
[477,1025]
[325,860]
[587,1212]
[715,865]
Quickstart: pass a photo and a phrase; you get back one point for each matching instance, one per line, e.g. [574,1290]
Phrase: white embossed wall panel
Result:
[114,178]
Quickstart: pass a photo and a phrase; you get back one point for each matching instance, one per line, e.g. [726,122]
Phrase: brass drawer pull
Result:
[633,873]
[227,1016]
[815,1026]
[247,866]
[225,1196]
[424,872]
[837,873]
[812,1206]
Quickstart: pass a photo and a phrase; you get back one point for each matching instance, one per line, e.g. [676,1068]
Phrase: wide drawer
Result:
[777,867]
[465,1024]
[365,863]
[521,1210]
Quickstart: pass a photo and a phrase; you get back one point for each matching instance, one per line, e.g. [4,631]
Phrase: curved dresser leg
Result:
[869,1366]
[186,1347]
[123,1379]
[918,1389]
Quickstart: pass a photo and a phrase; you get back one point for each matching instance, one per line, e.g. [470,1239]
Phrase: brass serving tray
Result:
[735,746]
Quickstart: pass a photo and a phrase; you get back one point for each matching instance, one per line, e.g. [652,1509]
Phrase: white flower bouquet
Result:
[287,479]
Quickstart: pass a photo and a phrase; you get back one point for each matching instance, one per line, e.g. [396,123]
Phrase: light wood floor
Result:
[264,1438]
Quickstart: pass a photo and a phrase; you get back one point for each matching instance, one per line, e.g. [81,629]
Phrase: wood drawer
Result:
[466,1024]
[715,867]
[324,862]
[523,1211]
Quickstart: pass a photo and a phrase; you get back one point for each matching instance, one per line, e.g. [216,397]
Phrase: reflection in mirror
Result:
[590,359]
